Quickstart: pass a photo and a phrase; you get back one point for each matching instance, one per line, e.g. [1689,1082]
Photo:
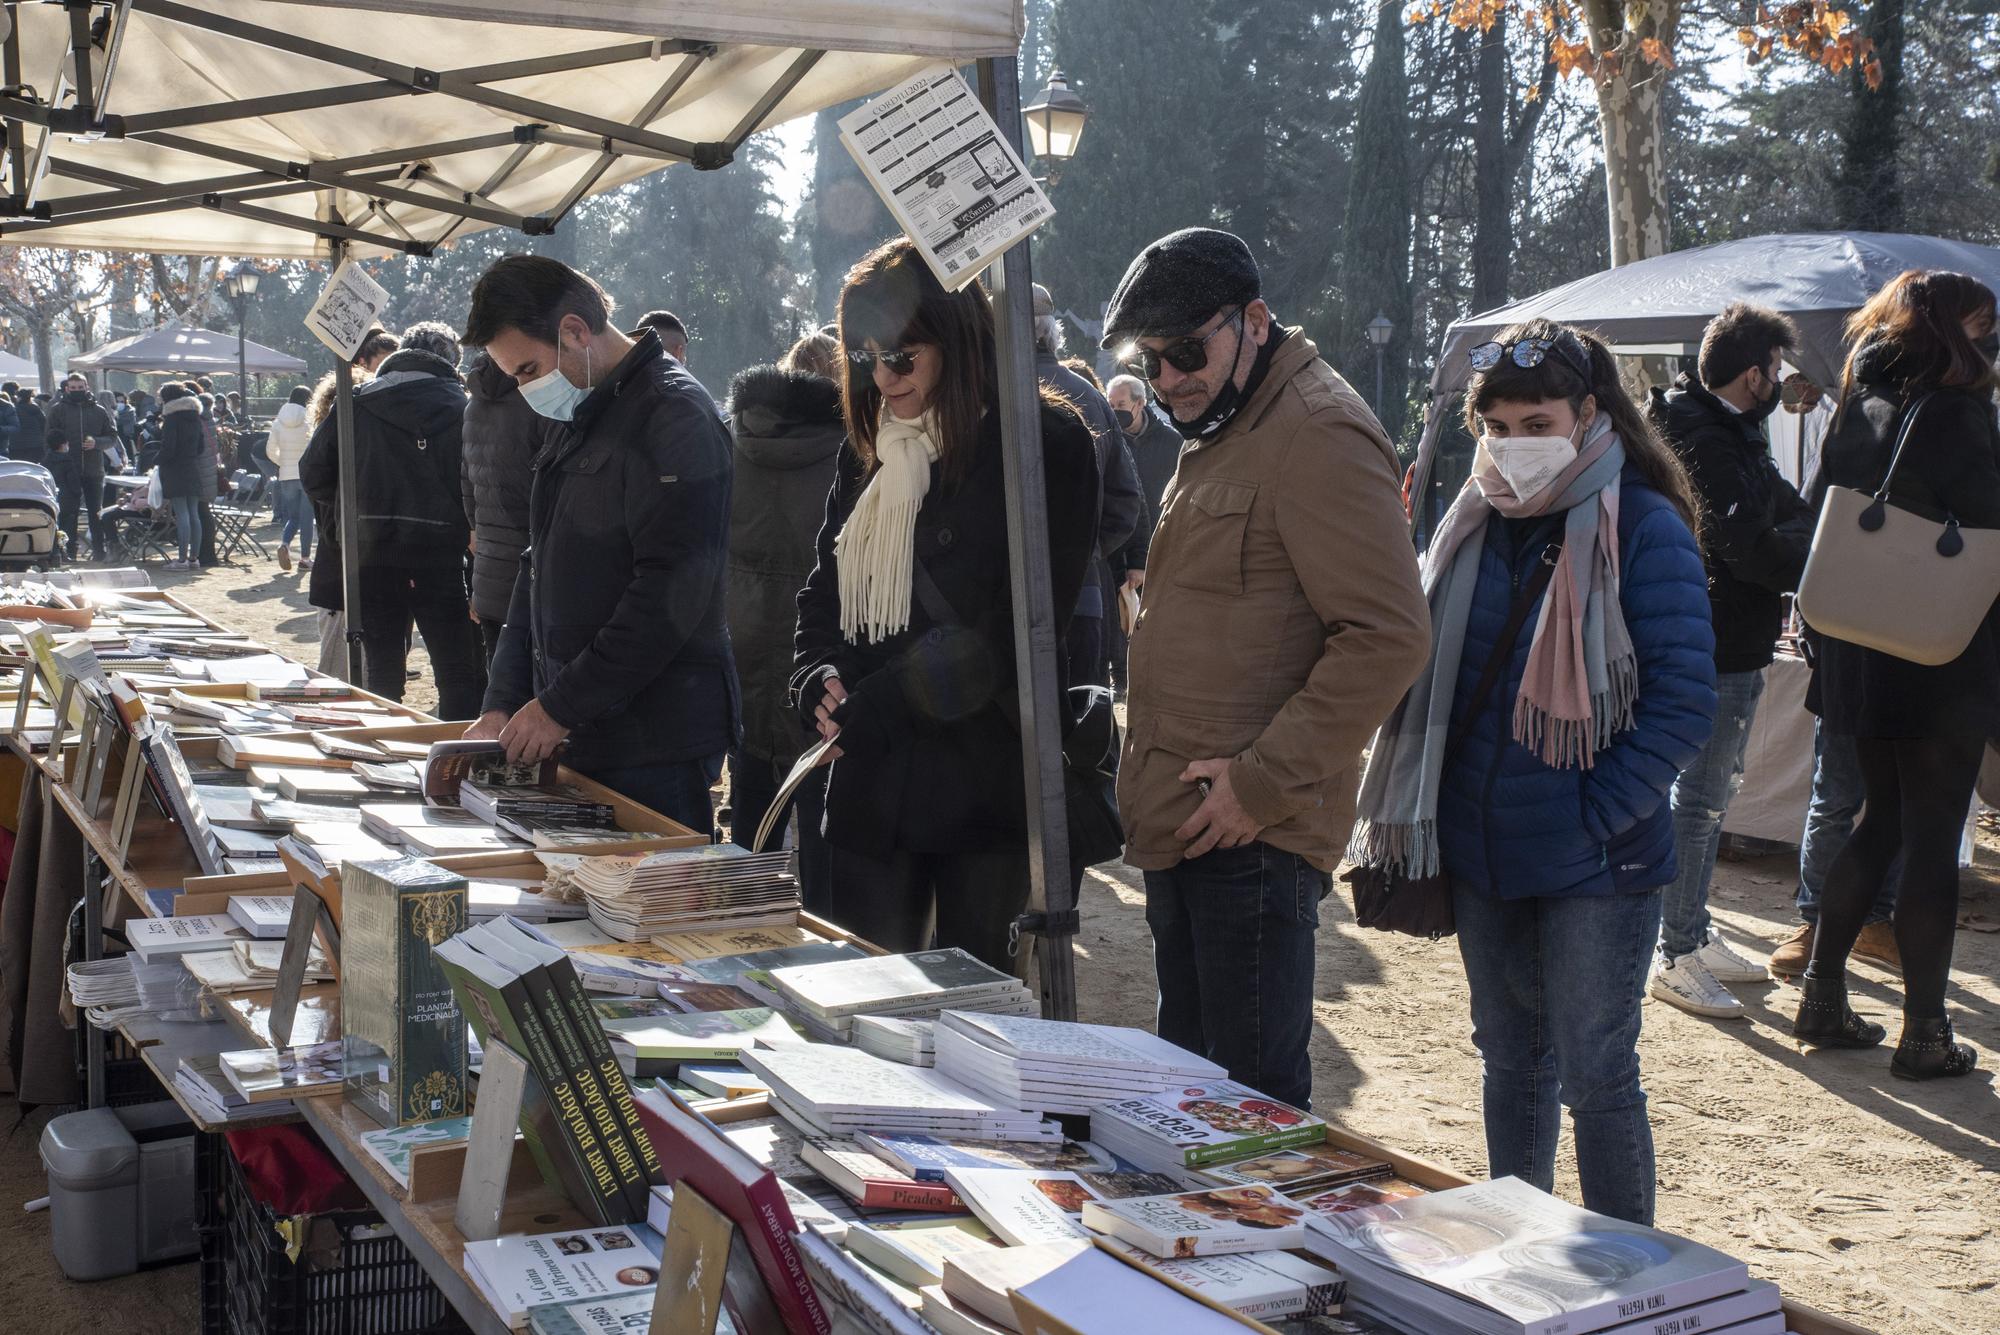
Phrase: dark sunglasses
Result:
[1528,353]
[1186,355]
[902,361]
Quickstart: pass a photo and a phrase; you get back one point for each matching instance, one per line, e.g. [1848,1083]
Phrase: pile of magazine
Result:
[833,1091]
[636,896]
[919,985]
[1501,1258]
[1052,1066]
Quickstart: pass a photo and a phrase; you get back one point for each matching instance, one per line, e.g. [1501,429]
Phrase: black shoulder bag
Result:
[1389,901]
[1090,749]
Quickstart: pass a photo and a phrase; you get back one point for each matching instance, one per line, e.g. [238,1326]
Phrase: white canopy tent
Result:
[19,370]
[246,127]
[299,128]
[179,349]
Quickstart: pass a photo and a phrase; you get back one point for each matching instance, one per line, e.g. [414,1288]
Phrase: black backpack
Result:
[412,510]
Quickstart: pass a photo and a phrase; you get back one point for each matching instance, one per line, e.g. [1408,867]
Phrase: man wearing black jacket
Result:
[615,642]
[79,432]
[28,442]
[1756,533]
[411,528]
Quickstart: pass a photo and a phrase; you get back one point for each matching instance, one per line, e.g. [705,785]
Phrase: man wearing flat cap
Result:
[1283,619]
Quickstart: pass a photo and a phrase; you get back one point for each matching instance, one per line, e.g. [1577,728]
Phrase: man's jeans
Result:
[677,790]
[1233,954]
[1837,795]
[1556,987]
[1701,796]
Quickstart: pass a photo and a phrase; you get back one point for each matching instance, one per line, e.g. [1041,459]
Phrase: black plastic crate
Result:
[353,1276]
[127,1078]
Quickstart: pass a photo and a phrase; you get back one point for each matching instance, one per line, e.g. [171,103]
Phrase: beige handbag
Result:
[1886,578]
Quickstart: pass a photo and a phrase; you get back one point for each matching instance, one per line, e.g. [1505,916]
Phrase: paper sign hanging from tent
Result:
[940,164]
[350,305]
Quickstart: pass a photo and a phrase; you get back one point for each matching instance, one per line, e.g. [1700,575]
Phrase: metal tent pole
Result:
[1051,918]
[350,542]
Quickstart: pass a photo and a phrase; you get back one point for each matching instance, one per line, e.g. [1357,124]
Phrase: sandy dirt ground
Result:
[1871,1198]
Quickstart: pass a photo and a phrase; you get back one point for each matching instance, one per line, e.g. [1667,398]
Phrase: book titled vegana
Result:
[404,1034]
[1220,1222]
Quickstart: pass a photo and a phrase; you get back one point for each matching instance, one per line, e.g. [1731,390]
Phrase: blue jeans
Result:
[1556,986]
[294,507]
[1233,954]
[678,791]
[1837,795]
[1701,797]
[187,524]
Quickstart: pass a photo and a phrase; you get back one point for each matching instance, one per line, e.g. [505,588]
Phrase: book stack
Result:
[1501,1258]
[577,1113]
[1219,1222]
[920,984]
[1052,1066]
[911,1042]
[652,1046]
[201,1083]
[831,1091]
[266,1075]
[1301,1172]
[517,1273]
[637,896]
[250,966]
[266,917]
[432,831]
[151,938]
[522,899]
[521,808]
[1192,1126]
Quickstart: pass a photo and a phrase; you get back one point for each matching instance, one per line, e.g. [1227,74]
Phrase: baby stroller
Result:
[29,508]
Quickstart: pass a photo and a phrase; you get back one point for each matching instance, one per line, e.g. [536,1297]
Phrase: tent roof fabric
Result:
[239,127]
[1817,278]
[182,349]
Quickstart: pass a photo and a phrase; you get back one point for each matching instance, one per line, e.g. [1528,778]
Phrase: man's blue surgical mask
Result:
[552,395]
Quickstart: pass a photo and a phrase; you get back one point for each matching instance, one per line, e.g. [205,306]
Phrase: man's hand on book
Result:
[1220,821]
[487,726]
[531,736]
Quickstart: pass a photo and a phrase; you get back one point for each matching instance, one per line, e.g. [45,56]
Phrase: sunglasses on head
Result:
[1186,355]
[902,361]
[1528,353]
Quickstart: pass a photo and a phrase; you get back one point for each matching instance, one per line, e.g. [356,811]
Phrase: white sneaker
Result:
[1686,982]
[1724,964]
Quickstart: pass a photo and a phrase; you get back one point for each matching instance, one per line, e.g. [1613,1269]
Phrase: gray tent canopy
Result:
[179,349]
[1816,278]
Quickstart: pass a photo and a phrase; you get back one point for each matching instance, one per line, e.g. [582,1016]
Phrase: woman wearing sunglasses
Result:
[905,647]
[1572,677]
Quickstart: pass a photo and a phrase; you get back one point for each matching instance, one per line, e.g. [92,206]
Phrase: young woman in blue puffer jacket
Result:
[1546,806]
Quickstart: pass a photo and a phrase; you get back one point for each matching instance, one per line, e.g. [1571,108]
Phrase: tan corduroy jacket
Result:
[1283,618]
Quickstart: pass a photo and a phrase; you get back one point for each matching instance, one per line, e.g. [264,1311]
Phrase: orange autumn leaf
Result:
[1654,50]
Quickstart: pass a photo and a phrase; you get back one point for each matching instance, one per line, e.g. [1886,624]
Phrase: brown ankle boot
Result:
[1877,945]
[1789,960]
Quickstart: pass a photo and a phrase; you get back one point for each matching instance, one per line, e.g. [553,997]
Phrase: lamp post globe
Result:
[1380,330]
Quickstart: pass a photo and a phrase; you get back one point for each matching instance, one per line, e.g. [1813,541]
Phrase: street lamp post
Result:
[1055,124]
[240,286]
[1379,332]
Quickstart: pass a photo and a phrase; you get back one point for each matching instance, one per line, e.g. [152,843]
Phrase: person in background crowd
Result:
[149,438]
[31,435]
[787,425]
[1286,620]
[211,473]
[291,433]
[179,461]
[673,334]
[232,412]
[1120,508]
[502,434]
[905,647]
[325,590]
[204,385]
[127,418]
[1080,368]
[1546,801]
[78,432]
[1837,795]
[10,419]
[412,526]
[1923,349]
[1155,447]
[1756,530]
[615,641]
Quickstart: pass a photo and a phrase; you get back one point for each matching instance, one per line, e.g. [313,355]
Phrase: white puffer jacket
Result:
[289,437]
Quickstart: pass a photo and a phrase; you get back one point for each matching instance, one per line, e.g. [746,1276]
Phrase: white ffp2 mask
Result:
[1526,466]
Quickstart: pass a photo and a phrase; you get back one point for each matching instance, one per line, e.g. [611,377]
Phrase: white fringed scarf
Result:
[875,549]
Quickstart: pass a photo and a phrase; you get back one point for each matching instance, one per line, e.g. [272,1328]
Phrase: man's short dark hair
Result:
[532,293]
[207,385]
[434,337]
[666,322]
[10,389]
[1740,338]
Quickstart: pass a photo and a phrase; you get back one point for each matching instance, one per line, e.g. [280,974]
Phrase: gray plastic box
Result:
[122,1190]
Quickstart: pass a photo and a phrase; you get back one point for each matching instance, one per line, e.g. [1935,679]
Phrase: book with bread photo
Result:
[1218,1222]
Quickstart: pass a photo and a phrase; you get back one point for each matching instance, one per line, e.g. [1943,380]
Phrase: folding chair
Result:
[245,508]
